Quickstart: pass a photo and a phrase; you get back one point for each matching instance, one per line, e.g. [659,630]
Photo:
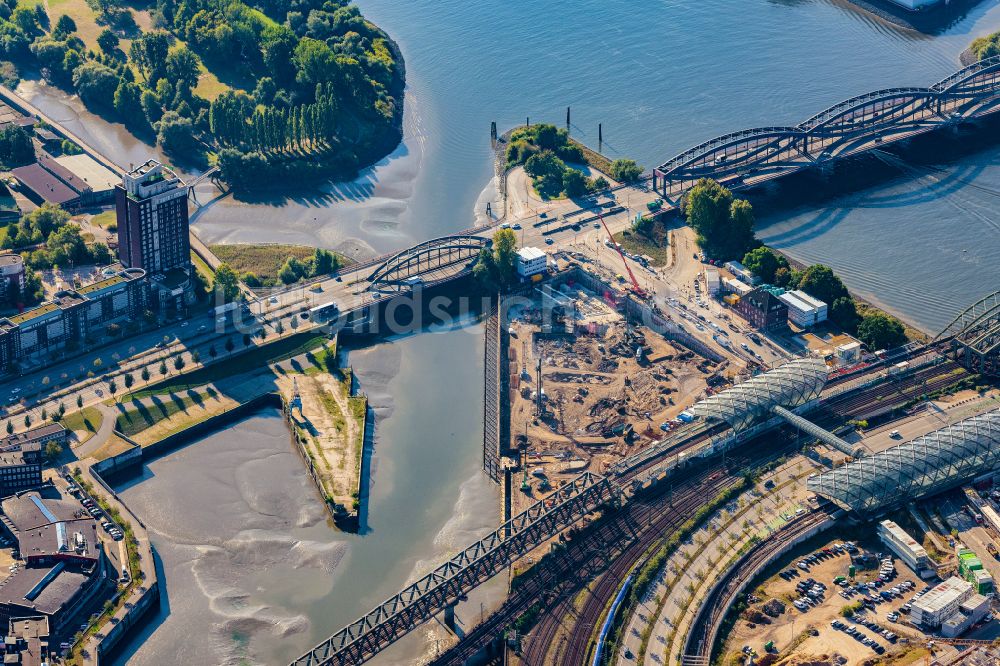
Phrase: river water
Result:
[660,75]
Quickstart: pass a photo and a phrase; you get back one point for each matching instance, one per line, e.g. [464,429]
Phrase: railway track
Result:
[701,637]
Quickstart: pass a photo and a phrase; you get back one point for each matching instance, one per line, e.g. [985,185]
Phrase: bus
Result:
[323,312]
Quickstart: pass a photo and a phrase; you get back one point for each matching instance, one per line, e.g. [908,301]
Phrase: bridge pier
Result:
[449,618]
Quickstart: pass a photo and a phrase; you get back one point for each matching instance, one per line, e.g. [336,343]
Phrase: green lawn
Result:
[105,219]
[88,419]
[254,359]
[654,245]
[136,419]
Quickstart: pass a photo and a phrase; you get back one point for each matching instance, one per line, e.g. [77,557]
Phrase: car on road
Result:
[184,324]
[549,241]
[597,225]
[516,226]
[221,320]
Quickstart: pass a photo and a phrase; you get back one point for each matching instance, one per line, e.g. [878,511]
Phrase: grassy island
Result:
[276,93]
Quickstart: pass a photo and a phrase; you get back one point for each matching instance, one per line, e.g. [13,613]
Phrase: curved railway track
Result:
[701,636]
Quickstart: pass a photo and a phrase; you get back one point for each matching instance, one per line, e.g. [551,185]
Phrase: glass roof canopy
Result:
[790,385]
[925,466]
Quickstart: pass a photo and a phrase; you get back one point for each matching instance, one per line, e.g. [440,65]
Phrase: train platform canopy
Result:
[790,385]
[925,466]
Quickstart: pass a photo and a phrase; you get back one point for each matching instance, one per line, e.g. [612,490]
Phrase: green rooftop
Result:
[28,315]
[103,284]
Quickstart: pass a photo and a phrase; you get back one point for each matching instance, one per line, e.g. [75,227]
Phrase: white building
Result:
[741,272]
[943,601]
[849,353]
[736,286]
[712,284]
[530,261]
[969,612]
[803,310]
[905,547]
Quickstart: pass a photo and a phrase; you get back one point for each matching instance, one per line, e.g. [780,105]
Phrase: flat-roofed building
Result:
[940,603]
[27,640]
[531,261]
[20,469]
[11,273]
[905,547]
[73,318]
[803,310]
[65,565]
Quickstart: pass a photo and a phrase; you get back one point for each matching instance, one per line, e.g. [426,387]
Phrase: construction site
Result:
[588,386]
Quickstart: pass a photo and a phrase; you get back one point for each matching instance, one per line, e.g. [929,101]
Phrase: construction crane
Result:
[636,289]
[957,642]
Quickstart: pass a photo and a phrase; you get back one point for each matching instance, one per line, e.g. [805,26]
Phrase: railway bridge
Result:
[854,126]
[790,386]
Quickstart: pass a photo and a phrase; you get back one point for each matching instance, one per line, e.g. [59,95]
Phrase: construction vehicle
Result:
[636,289]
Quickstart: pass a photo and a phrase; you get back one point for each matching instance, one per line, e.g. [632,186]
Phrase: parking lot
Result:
[812,606]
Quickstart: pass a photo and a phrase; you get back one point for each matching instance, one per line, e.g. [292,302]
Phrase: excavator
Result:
[636,289]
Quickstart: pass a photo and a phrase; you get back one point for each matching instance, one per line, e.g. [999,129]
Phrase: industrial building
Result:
[40,436]
[763,310]
[940,603]
[153,231]
[531,261]
[928,465]
[70,181]
[72,318]
[65,565]
[20,469]
[905,547]
[803,310]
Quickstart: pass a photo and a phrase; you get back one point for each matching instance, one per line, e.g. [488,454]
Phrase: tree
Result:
[764,263]
[496,268]
[844,312]
[144,374]
[95,83]
[52,451]
[212,351]
[625,171]
[574,183]
[149,53]
[881,331]
[113,387]
[108,41]
[10,427]
[230,346]
[226,283]
[163,368]
[182,67]
[324,262]
[15,146]
[821,282]
[27,420]
[176,134]
[178,363]
[45,414]
[79,401]
[65,26]
[129,381]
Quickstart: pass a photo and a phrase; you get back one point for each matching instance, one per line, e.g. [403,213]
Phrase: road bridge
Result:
[854,126]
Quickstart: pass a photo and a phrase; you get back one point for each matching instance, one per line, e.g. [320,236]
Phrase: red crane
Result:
[639,291]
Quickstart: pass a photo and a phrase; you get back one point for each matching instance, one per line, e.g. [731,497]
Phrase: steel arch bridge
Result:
[854,126]
[428,261]
[973,337]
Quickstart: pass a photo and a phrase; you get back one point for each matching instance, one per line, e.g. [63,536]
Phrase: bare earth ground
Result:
[333,432]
